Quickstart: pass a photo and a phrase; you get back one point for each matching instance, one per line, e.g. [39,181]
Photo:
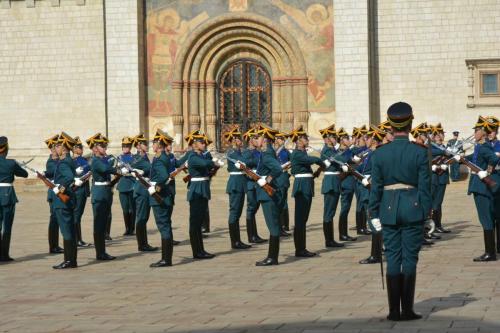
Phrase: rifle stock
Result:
[487,180]
[63,197]
[255,177]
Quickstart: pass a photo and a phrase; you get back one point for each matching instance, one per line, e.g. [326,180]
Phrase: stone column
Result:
[178,118]
[194,109]
[210,114]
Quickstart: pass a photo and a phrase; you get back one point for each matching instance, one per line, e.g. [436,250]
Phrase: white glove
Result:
[482,174]
[457,158]
[356,159]
[239,164]
[498,154]
[444,167]
[151,190]
[138,171]
[220,163]
[345,168]
[429,223]
[262,181]
[376,224]
[79,170]
[124,171]
[285,165]
[365,181]
[78,182]
[186,164]
[56,190]
[434,167]
[327,163]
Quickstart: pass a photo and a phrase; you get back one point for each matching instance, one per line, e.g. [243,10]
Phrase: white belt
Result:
[331,173]
[303,175]
[254,170]
[398,186]
[5,184]
[235,173]
[199,179]
[101,183]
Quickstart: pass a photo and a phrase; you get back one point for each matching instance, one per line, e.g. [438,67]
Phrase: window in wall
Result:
[489,83]
[483,83]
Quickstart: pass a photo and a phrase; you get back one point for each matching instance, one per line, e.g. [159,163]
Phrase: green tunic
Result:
[8,199]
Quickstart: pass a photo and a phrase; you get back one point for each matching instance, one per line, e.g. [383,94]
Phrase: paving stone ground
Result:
[328,293]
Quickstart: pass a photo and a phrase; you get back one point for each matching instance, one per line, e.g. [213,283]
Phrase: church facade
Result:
[127,66]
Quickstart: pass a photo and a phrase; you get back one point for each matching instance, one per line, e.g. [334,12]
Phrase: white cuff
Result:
[151,190]
[376,224]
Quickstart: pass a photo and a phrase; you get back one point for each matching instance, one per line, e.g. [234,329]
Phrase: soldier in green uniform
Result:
[495,144]
[199,193]
[283,156]
[373,141]
[330,186]
[359,149]
[485,158]
[8,199]
[270,171]
[50,165]
[236,187]
[81,192]
[303,188]
[162,211]
[440,179]
[347,186]
[125,189]
[173,164]
[64,178]
[400,201]
[142,165]
[101,194]
[251,156]
[111,160]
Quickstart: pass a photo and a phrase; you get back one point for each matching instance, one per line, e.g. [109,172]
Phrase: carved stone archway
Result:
[224,39]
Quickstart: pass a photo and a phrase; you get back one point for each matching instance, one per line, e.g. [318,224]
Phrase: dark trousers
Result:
[142,209]
[102,211]
[485,210]
[402,245]
[302,209]
[197,209]
[7,213]
[252,204]
[236,202]
[163,222]
[65,220]
[127,202]
[81,201]
[455,171]
[330,203]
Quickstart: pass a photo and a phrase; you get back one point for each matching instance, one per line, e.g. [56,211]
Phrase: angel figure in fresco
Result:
[166,32]
[314,34]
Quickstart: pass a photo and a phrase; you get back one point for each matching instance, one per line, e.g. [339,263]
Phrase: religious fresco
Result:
[169,22]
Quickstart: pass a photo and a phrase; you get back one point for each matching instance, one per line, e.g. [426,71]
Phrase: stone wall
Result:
[423,46]
[51,71]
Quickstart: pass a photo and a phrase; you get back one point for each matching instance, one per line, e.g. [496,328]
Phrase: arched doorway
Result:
[243,97]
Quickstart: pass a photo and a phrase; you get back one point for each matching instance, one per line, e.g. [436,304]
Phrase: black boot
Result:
[142,240]
[299,236]
[489,247]
[328,233]
[205,226]
[5,247]
[343,230]
[193,240]
[376,251]
[407,297]
[394,296]
[69,255]
[498,234]
[437,215]
[253,236]
[167,248]
[100,247]
[107,235]
[286,220]
[126,221]
[234,234]
[426,242]
[202,254]
[54,240]
[273,252]
[131,226]
[364,225]
[283,232]
[358,222]
[80,242]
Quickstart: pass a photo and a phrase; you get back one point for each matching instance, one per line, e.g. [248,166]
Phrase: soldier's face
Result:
[279,141]
[369,141]
[237,142]
[479,134]
[101,150]
[155,146]
[492,135]
[258,141]
[126,149]
[78,151]
[59,149]
[168,148]
[143,147]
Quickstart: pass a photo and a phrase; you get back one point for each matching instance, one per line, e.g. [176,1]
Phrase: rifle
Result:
[487,180]
[84,179]
[351,170]
[143,182]
[61,195]
[177,171]
[253,176]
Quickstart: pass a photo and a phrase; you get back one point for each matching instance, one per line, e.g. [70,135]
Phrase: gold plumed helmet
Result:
[327,132]
[363,130]
[249,134]
[342,133]
[418,130]
[298,133]
[163,137]
[50,142]
[232,134]
[493,121]
[266,131]
[189,138]
[437,129]
[66,140]
[485,124]
[140,138]
[95,139]
[127,141]
[376,133]
[356,132]
[385,126]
